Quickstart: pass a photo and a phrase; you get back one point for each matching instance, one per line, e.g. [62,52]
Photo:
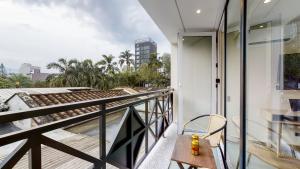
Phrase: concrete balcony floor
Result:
[160,156]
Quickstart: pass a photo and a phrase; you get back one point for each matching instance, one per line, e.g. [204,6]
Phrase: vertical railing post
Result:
[172,110]
[131,159]
[168,109]
[35,155]
[147,127]
[156,119]
[102,135]
[163,115]
[163,104]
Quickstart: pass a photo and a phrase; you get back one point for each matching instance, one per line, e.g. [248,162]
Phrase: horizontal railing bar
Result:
[23,134]
[42,111]
[88,120]
[13,158]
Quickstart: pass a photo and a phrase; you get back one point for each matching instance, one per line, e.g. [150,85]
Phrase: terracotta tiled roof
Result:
[40,100]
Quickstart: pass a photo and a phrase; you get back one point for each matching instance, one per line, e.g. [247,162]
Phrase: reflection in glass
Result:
[273,73]
[233,83]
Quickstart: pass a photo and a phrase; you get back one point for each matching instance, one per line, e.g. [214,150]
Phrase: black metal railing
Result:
[124,150]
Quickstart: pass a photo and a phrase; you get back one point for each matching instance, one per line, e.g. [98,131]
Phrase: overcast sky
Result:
[41,31]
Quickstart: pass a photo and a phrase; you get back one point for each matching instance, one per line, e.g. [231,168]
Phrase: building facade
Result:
[32,72]
[143,50]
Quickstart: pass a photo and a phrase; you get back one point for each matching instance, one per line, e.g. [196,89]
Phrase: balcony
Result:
[144,120]
[243,65]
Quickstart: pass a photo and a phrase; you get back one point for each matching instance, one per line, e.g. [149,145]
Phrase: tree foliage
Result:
[125,58]
[15,81]
[104,74]
[5,83]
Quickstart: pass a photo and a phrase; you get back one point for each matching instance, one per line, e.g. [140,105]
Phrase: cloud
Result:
[39,31]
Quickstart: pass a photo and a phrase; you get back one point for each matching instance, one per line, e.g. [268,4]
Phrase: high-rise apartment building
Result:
[143,50]
[32,72]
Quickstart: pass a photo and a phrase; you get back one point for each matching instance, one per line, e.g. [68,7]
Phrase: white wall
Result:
[16,104]
[196,76]
[174,78]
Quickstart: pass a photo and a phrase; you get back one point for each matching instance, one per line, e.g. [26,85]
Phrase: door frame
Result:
[179,72]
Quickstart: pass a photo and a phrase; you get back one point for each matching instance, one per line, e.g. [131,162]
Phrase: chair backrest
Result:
[215,122]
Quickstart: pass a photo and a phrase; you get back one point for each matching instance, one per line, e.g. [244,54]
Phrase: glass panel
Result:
[233,82]
[273,84]
[220,68]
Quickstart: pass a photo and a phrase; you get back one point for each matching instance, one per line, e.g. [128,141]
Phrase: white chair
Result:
[213,133]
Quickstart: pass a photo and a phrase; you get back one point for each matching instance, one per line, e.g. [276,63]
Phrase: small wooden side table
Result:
[182,153]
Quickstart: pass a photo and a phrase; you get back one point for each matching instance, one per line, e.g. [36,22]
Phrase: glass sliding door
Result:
[232,73]
[273,84]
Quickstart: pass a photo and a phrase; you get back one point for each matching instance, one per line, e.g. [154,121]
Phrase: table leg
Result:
[180,165]
[279,139]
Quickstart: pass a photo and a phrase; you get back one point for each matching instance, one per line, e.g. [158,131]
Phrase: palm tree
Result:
[19,80]
[108,65]
[89,74]
[125,57]
[68,76]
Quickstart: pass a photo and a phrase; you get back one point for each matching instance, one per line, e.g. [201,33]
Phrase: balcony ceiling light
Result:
[267,1]
[198,11]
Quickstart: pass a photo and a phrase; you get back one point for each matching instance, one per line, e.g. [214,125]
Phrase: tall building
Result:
[32,72]
[26,69]
[143,49]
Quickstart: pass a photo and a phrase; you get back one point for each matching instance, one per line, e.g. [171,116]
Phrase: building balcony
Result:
[117,132]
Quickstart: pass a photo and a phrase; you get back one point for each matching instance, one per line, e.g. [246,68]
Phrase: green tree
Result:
[105,74]
[90,74]
[108,64]
[19,80]
[149,75]
[67,76]
[154,63]
[125,58]
[128,78]
[40,84]
[166,62]
[5,83]
[166,69]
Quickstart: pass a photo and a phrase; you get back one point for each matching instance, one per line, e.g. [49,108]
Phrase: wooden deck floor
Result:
[52,158]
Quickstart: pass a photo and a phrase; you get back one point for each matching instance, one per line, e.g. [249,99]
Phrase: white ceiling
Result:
[173,16]
[258,12]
